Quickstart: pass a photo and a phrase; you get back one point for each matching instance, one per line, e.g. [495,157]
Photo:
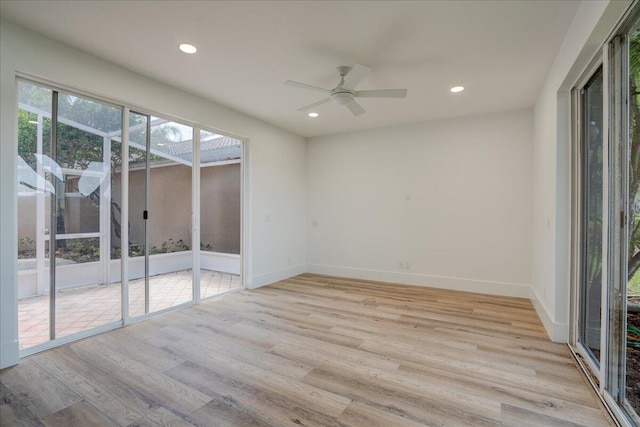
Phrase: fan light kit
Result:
[188,48]
[313,115]
[345,93]
[457,89]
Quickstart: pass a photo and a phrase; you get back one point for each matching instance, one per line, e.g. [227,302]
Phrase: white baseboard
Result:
[558,332]
[276,276]
[442,282]
[8,354]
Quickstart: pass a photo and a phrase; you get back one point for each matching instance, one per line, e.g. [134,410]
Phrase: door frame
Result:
[577,243]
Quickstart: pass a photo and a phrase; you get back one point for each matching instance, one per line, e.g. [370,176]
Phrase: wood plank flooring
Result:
[312,351]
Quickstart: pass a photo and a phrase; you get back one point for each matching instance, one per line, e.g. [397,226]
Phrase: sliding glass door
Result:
[81,218]
[170,214]
[33,199]
[137,181]
[65,164]
[591,165]
[630,353]
[220,205]
[122,214]
[606,238]
[623,373]
[160,214]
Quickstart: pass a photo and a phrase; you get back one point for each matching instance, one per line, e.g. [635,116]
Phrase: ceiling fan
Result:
[345,93]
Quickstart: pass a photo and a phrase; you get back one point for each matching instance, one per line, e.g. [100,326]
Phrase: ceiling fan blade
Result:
[315,104]
[382,93]
[355,108]
[355,76]
[306,86]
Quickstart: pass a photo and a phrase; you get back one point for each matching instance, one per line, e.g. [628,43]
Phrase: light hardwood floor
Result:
[308,351]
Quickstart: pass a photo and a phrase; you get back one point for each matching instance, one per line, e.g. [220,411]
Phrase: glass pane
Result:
[113,218]
[137,205]
[34,189]
[169,223]
[220,204]
[632,389]
[81,213]
[592,216]
[85,295]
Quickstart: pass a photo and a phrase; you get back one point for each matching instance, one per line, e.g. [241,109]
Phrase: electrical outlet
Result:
[404,265]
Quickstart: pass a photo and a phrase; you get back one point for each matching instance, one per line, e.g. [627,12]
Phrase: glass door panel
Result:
[631,389]
[170,214]
[138,286]
[590,309]
[34,193]
[80,238]
[220,206]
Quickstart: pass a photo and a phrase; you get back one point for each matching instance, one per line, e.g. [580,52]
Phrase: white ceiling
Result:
[499,50]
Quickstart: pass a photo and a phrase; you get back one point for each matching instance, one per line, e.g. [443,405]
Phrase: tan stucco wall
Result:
[220,205]
[169,209]
[80,215]
[169,204]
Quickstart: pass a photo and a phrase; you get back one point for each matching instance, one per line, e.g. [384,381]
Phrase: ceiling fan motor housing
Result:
[342,98]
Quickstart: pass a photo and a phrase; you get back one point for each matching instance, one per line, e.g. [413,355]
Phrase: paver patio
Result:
[88,307]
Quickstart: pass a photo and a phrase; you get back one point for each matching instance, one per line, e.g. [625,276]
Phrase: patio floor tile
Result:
[88,307]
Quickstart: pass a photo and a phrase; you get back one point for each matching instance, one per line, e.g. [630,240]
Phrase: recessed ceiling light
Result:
[457,89]
[314,115]
[188,48]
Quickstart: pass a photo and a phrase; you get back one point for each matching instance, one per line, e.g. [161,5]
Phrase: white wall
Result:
[451,197]
[275,160]
[552,163]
